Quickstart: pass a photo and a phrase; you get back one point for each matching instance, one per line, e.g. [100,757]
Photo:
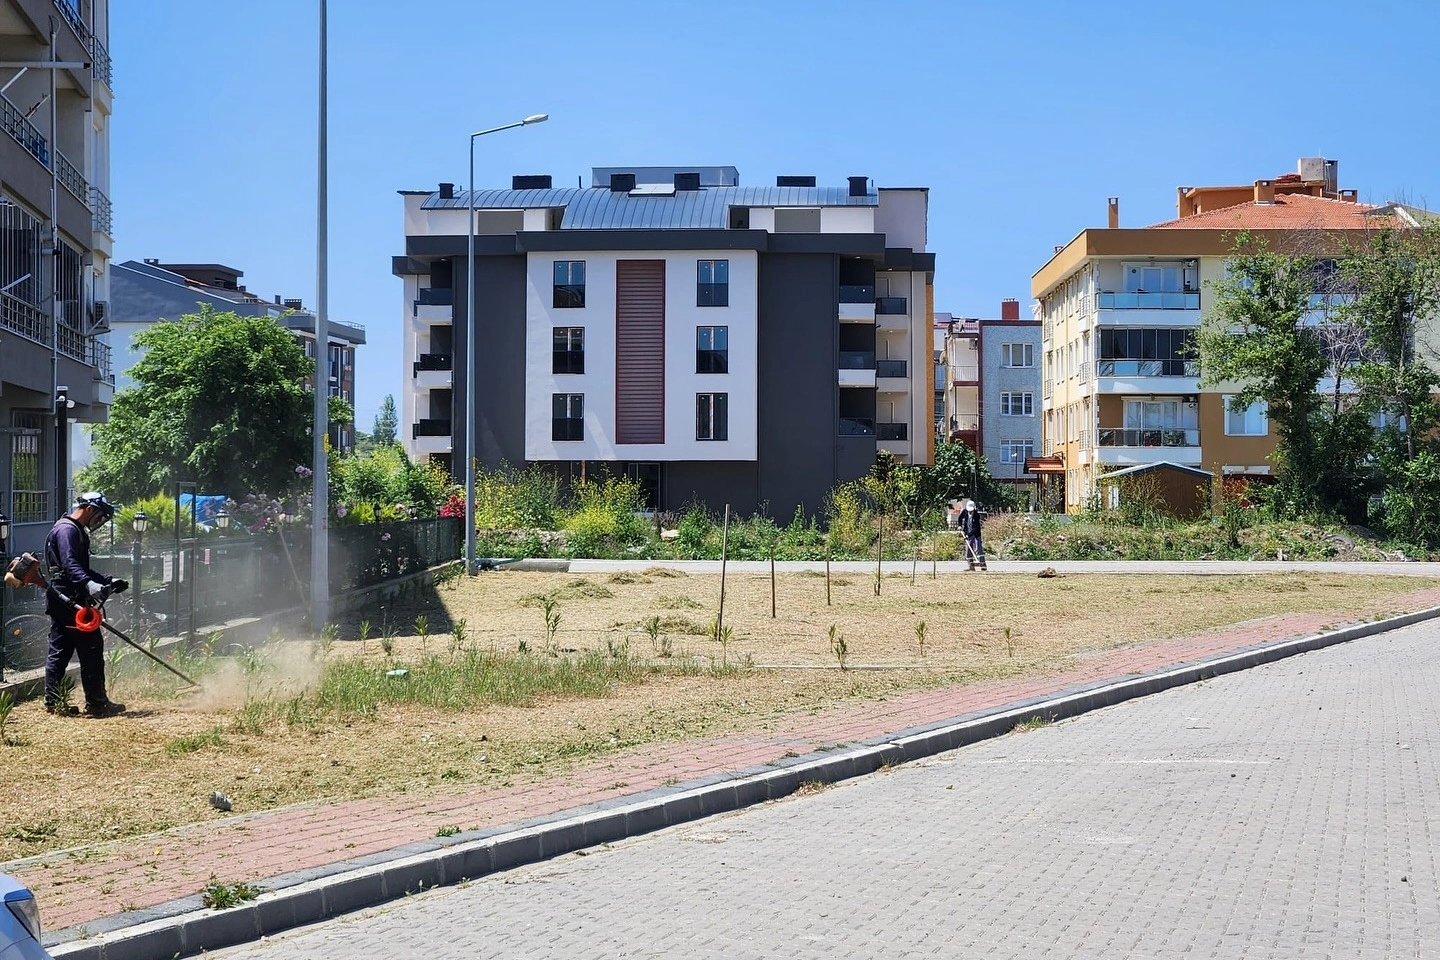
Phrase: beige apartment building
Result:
[1119,308]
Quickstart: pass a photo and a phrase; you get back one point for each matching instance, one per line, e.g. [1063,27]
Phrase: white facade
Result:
[682,383]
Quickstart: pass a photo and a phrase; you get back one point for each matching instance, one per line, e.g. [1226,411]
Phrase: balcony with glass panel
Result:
[857,368]
[857,303]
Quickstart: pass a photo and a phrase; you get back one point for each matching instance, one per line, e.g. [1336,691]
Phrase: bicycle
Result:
[25,642]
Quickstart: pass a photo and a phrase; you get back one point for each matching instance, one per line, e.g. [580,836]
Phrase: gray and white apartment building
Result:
[750,346]
[146,292]
[992,402]
[55,249]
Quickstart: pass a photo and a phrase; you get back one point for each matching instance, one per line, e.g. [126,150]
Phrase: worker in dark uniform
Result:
[67,557]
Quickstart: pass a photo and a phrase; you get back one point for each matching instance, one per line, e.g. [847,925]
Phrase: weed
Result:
[552,621]
[422,628]
[677,603]
[222,896]
[64,695]
[524,647]
[652,630]
[195,741]
[387,642]
[665,649]
[7,703]
[623,577]
[920,636]
[811,787]
[330,633]
[725,634]
[364,634]
[458,632]
[1034,723]
[619,649]
[33,833]
[447,831]
[1009,642]
[838,646]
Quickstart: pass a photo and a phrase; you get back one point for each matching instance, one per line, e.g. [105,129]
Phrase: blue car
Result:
[19,922]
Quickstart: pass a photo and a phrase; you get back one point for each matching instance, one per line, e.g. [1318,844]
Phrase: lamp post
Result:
[4,562]
[137,523]
[470,341]
[222,521]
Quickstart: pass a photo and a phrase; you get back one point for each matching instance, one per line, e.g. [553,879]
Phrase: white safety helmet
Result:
[969,504]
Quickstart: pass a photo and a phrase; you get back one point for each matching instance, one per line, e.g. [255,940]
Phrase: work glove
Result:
[96,589]
[118,585]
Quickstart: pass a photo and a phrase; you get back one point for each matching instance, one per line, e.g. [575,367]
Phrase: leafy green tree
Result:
[959,473]
[1255,336]
[387,422]
[218,399]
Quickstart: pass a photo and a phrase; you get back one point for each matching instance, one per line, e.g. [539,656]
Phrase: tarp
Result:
[207,508]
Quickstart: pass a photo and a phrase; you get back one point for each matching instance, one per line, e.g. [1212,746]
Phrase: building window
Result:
[712,418]
[567,416]
[568,350]
[569,283]
[1017,404]
[1017,355]
[713,284]
[712,349]
[1252,421]
[1016,451]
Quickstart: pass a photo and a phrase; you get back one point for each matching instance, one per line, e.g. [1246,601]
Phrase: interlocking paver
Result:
[1288,811]
[321,834]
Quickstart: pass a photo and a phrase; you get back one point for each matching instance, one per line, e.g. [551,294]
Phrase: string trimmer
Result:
[25,571]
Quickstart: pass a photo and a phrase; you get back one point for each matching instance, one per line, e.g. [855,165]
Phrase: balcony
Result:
[897,369]
[892,431]
[856,427]
[1118,446]
[100,213]
[892,306]
[1147,368]
[24,132]
[1147,437]
[857,368]
[100,62]
[431,428]
[964,376]
[1142,300]
[437,296]
[434,361]
[857,303]
[71,13]
[1143,308]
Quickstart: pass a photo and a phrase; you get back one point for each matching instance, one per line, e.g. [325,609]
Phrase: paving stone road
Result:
[1290,811]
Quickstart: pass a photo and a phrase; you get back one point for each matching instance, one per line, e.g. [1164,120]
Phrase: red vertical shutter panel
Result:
[640,351]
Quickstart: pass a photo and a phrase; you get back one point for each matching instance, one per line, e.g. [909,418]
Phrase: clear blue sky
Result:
[1020,117]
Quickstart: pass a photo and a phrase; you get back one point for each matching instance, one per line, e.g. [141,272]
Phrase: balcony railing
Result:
[431,428]
[892,431]
[857,293]
[857,427]
[1147,368]
[100,213]
[437,297]
[857,360]
[71,178]
[24,318]
[1144,300]
[73,343]
[1162,437]
[891,368]
[24,132]
[100,360]
[100,62]
[892,306]
[72,16]
[966,374]
[434,361]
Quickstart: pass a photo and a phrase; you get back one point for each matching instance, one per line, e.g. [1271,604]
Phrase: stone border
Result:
[183,927]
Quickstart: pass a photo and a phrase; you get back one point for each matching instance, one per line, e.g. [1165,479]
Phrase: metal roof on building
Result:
[599,208]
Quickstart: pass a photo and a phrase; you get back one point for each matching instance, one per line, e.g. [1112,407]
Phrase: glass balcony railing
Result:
[892,431]
[1144,300]
[857,293]
[433,361]
[1147,368]
[857,427]
[857,360]
[431,428]
[891,368]
[437,297]
[1148,437]
[892,306]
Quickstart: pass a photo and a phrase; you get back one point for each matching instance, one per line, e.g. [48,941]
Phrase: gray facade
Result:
[1000,342]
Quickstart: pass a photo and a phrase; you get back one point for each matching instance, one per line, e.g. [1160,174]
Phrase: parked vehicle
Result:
[19,922]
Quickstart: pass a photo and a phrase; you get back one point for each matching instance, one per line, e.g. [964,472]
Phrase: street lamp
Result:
[470,342]
[138,523]
[222,520]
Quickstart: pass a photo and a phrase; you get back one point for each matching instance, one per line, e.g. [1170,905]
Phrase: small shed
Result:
[1182,491]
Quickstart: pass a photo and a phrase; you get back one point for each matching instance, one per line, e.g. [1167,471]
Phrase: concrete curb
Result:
[184,927]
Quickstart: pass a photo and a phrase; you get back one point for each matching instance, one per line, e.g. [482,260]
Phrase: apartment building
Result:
[1119,308]
[144,293]
[992,372]
[55,248]
[716,342]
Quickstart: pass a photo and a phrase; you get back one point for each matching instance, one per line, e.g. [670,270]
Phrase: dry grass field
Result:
[515,675]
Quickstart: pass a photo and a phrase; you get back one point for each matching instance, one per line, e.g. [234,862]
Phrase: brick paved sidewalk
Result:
[85,884]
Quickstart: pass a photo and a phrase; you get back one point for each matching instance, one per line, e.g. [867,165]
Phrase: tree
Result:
[1256,336]
[219,399]
[387,422]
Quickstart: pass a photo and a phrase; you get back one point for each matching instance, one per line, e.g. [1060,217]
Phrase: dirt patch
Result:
[73,781]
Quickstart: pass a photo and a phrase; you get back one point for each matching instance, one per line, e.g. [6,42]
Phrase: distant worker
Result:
[72,583]
[970,523]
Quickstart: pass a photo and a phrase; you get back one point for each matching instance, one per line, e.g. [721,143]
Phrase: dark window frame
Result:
[712,417]
[568,278]
[710,358]
[712,287]
[567,350]
[571,426]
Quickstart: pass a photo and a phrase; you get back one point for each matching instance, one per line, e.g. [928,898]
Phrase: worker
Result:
[73,583]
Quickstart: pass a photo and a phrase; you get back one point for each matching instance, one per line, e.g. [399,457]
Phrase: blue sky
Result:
[1020,117]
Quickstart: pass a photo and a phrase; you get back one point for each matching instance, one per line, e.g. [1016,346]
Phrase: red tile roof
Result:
[1295,211]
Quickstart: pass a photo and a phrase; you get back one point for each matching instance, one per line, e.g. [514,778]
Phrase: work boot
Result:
[107,709]
[68,710]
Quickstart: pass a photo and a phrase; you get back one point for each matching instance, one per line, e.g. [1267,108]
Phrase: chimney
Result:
[447,191]
[1350,196]
[277,299]
[531,182]
[859,186]
[152,261]
[1332,178]
[687,181]
[294,305]
[784,181]
[622,182]
[1010,307]
[1114,204]
[1264,191]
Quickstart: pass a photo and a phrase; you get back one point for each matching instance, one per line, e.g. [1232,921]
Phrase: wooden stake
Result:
[827,573]
[724,546]
[879,553]
[772,579]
